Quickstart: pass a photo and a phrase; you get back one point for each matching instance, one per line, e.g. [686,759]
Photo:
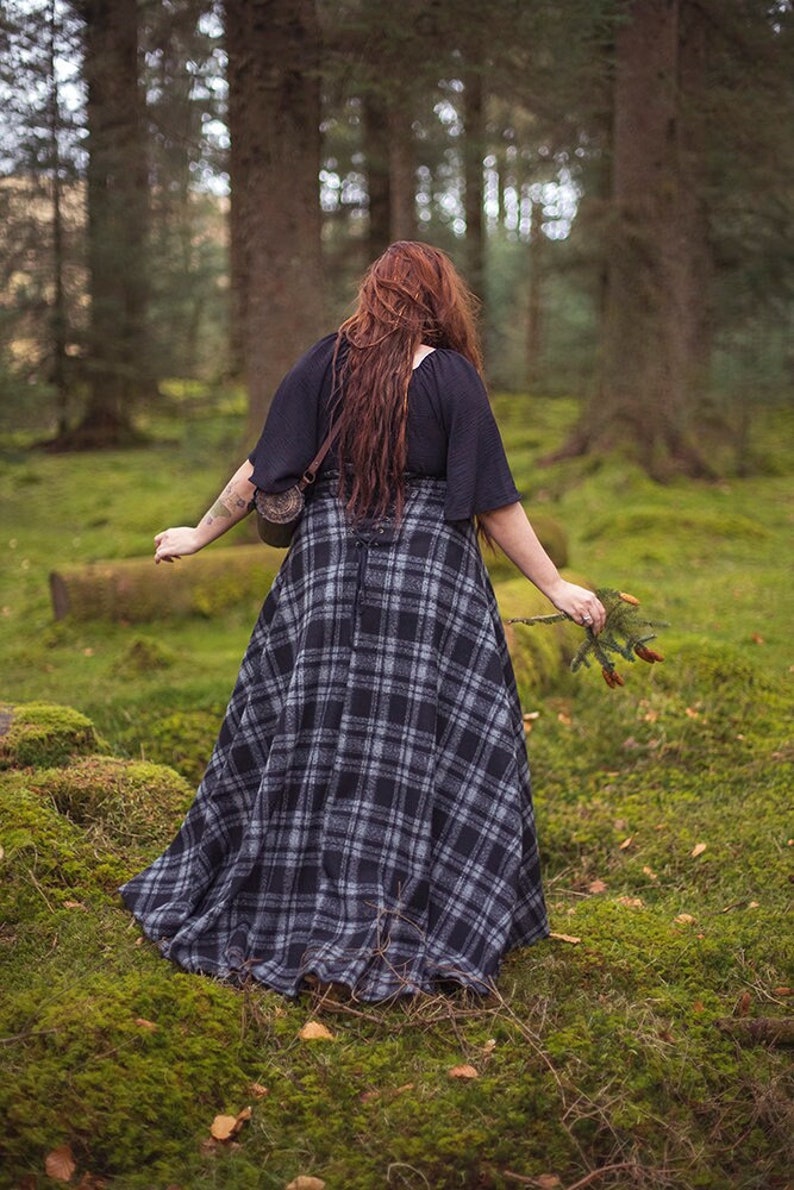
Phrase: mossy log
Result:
[135,590]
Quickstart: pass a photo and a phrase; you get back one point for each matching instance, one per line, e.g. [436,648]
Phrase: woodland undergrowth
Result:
[645,1044]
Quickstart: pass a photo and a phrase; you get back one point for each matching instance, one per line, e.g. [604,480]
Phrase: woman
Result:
[365,819]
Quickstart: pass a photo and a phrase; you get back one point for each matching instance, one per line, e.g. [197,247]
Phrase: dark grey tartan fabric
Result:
[366,815]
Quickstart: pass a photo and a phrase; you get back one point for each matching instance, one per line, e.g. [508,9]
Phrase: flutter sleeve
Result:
[291,435]
[478,474]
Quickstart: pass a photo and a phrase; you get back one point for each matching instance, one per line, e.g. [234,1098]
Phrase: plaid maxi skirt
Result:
[366,816]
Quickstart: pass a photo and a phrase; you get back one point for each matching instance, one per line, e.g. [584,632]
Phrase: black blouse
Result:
[451,433]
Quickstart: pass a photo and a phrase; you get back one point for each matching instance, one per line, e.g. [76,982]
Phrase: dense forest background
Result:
[189,190]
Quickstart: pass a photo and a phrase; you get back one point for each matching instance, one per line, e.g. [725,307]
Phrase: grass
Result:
[662,811]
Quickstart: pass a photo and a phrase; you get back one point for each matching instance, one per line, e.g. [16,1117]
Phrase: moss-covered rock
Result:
[143,656]
[552,536]
[38,734]
[540,653]
[129,801]
[184,741]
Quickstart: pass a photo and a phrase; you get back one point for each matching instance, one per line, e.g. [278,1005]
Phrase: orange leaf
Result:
[224,1127]
[685,919]
[314,1031]
[142,1023]
[624,595]
[698,849]
[596,886]
[60,1164]
[566,938]
[258,1091]
[626,843]
[631,902]
[742,1006]
[463,1072]
[305,1182]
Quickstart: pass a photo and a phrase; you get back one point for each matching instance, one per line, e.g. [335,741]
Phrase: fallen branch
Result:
[761,1030]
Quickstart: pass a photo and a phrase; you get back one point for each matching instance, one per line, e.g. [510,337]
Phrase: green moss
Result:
[131,802]
[36,734]
[641,520]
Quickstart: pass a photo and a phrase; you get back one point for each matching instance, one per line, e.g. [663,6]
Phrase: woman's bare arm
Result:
[510,529]
[232,505]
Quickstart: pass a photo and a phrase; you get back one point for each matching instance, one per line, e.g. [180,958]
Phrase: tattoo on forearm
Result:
[218,509]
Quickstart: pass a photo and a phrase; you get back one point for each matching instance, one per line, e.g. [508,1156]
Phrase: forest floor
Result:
[640,1046]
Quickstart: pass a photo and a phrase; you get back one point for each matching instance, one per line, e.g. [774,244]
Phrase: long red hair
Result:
[412,294]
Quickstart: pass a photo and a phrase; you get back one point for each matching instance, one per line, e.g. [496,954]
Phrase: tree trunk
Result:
[644,393]
[274,117]
[117,225]
[58,318]
[378,166]
[473,180]
[402,172]
[534,338]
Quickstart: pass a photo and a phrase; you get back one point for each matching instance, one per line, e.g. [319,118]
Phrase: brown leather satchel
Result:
[278,513]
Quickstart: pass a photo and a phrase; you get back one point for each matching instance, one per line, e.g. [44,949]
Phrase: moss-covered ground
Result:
[616,1054]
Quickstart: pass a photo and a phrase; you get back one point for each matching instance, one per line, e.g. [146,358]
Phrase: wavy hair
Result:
[410,295]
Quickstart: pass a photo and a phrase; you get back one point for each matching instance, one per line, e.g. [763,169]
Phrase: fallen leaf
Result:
[564,719]
[464,1071]
[698,1006]
[489,1046]
[305,1182]
[685,919]
[754,905]
[92,1181]
[632,599]
[626,843]
[651,715]
[742,1006]
[596,886]
[314,1031]
[142,1023]
[698,849]
[369,1096]
[225,1127]
[783,991]
[691,713]
[73,905]
[631,902]
[258,1091]
[649,872]
[547,1181]
[566,938]
[60,1164]
[530,716]
[757,638]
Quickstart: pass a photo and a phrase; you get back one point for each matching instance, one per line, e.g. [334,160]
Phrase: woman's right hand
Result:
[172,544]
